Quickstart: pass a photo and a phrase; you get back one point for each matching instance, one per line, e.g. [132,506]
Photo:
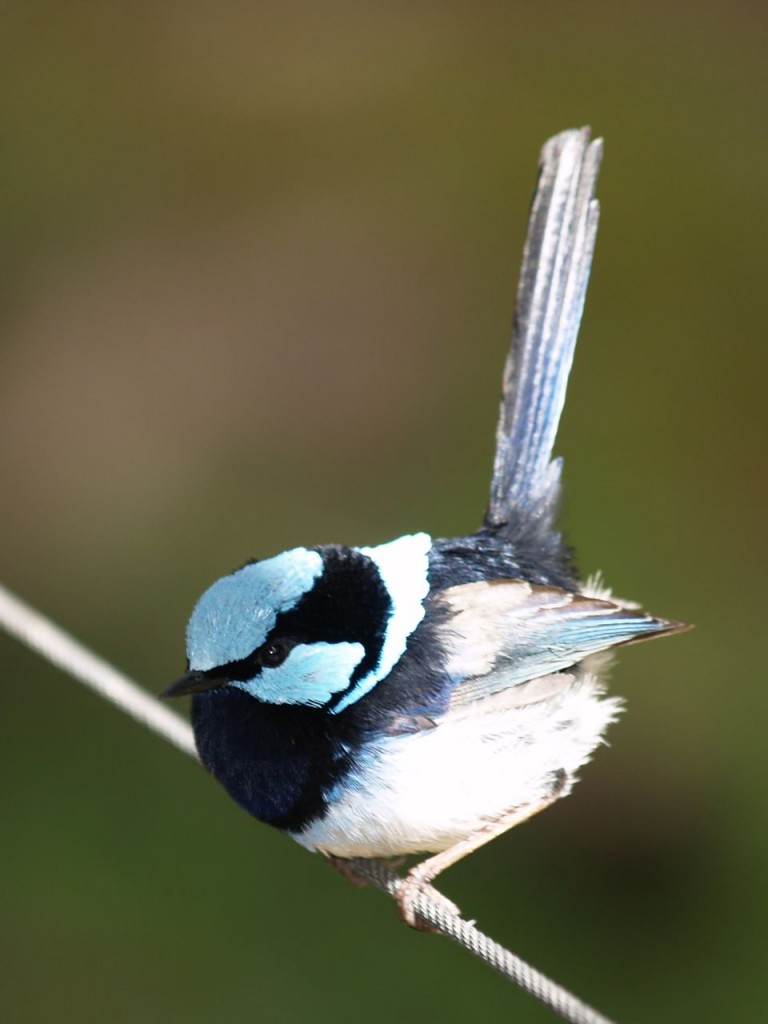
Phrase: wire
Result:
[433,908]
[61,649]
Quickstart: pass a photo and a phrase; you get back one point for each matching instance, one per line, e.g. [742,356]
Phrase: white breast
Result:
[423,792]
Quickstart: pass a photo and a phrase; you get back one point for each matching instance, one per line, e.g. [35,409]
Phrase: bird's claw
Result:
[407,896]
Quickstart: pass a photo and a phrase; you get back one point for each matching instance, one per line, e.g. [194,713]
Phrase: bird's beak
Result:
[192,682]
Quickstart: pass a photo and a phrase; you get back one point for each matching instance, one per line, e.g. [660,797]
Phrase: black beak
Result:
[192,682]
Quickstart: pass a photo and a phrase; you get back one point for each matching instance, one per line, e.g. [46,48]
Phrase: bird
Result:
[425,695]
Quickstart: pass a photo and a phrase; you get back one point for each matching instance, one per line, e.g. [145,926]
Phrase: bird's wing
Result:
[499,634]
[550,298]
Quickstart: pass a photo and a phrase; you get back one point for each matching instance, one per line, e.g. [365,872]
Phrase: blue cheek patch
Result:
[310,675]
[235,615]
[403,565]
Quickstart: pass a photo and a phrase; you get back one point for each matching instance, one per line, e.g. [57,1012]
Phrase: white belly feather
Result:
[423,792]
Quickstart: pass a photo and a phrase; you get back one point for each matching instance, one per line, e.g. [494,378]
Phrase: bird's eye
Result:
[274,654]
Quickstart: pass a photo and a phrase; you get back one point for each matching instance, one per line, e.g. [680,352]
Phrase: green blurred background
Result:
[258,268]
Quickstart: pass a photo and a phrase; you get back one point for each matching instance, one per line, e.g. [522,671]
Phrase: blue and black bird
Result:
[426,695]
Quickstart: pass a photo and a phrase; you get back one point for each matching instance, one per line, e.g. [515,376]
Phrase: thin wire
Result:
[433,908]
[61,649]
[58,647]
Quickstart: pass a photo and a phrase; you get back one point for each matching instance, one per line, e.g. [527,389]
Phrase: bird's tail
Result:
[553,280]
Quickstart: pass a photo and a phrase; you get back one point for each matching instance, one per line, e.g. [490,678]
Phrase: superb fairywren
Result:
[426,695]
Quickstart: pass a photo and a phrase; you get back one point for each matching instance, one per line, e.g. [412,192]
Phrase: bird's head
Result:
[316,627]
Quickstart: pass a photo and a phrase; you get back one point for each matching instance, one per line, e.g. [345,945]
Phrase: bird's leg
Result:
[418,879]
[359,872]
[347,868]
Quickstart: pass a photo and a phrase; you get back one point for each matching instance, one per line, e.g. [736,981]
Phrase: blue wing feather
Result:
[500,634]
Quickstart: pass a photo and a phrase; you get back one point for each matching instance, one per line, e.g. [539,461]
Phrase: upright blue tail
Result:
[553,280]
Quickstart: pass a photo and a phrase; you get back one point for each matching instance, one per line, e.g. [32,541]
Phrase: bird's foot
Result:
[346,869]
[358,871]
[410,891]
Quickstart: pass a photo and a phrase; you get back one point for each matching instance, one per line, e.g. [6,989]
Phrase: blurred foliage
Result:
[258,266]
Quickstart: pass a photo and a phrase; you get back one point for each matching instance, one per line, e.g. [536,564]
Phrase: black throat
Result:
[276,761]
